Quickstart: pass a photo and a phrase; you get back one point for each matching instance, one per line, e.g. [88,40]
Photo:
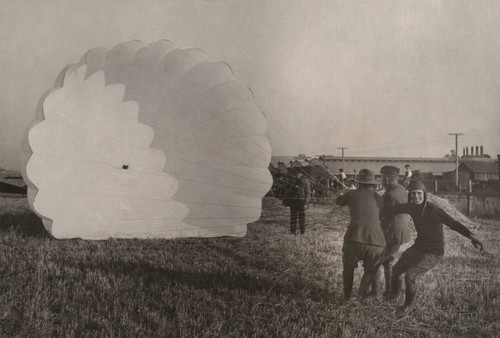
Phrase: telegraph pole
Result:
[456,156]
[342,155]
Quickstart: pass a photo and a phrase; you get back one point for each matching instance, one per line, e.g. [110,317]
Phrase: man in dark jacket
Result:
[299,196]
[364,239]
[395,230]
[428,249]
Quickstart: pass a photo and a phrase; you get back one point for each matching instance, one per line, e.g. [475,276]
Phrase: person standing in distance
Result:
[298,201]
[408,175]
[343,177]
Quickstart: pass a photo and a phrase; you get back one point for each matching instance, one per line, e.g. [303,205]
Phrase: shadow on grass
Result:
[235,281]
[250,282]
[26,224]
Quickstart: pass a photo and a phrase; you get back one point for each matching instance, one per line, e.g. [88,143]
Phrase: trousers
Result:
[388,259]
[352,253]
[412,264]
[297,215]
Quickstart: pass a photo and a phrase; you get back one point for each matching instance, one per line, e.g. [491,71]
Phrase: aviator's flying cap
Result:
[417,185]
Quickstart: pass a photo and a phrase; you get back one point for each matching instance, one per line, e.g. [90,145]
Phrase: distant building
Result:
[12,177]
[352,165]
[437,173]
[474,171]
[12,183]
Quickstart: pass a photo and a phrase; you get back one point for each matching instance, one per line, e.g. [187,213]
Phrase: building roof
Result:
[407,160]
[352,165]
[4,173]
[481,167]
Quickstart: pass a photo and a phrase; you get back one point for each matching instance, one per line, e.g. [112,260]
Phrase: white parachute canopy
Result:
[146,141]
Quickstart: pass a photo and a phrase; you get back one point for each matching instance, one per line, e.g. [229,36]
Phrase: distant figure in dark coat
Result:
[364,239]
[428,249]
[299,196]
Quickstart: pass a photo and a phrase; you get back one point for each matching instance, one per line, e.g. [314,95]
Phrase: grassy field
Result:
[267,284]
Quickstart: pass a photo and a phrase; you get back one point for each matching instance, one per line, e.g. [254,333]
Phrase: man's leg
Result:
[350,263]
[421,266]
[368,280]
[375,283]
[293,220]
[302,219]
[389,257]
[372,257]
[400,268]
[348,275]
[388,276]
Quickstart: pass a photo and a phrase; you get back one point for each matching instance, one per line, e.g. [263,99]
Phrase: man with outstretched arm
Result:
[428,249]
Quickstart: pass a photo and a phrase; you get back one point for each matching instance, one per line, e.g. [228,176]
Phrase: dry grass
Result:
[266,284]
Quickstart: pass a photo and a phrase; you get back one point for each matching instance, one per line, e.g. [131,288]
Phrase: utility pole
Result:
[342,155]
[456,156]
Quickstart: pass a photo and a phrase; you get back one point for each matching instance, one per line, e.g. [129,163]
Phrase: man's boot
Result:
[366,281]
[410,294]
[396,286]
[375,284]
[348,280]
[388,280]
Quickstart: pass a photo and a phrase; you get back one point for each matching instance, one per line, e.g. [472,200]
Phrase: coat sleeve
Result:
[453,224]
[343,199]
[307,190]
[395,209]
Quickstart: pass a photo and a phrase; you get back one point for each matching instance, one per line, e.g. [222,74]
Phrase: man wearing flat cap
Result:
[393,225]
[364,239]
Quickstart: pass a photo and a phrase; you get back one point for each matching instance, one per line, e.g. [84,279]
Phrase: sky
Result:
[381,78]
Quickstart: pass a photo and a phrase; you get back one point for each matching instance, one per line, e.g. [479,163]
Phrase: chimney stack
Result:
[481,150]
[471,151]
[477,150]
[467,150]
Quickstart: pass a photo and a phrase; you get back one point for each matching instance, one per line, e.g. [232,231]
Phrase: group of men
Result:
[377,230]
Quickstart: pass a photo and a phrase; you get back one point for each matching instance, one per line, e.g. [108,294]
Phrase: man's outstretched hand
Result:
[477,243]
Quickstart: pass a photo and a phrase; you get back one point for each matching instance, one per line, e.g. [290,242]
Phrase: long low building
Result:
[352,165]
[438,168]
